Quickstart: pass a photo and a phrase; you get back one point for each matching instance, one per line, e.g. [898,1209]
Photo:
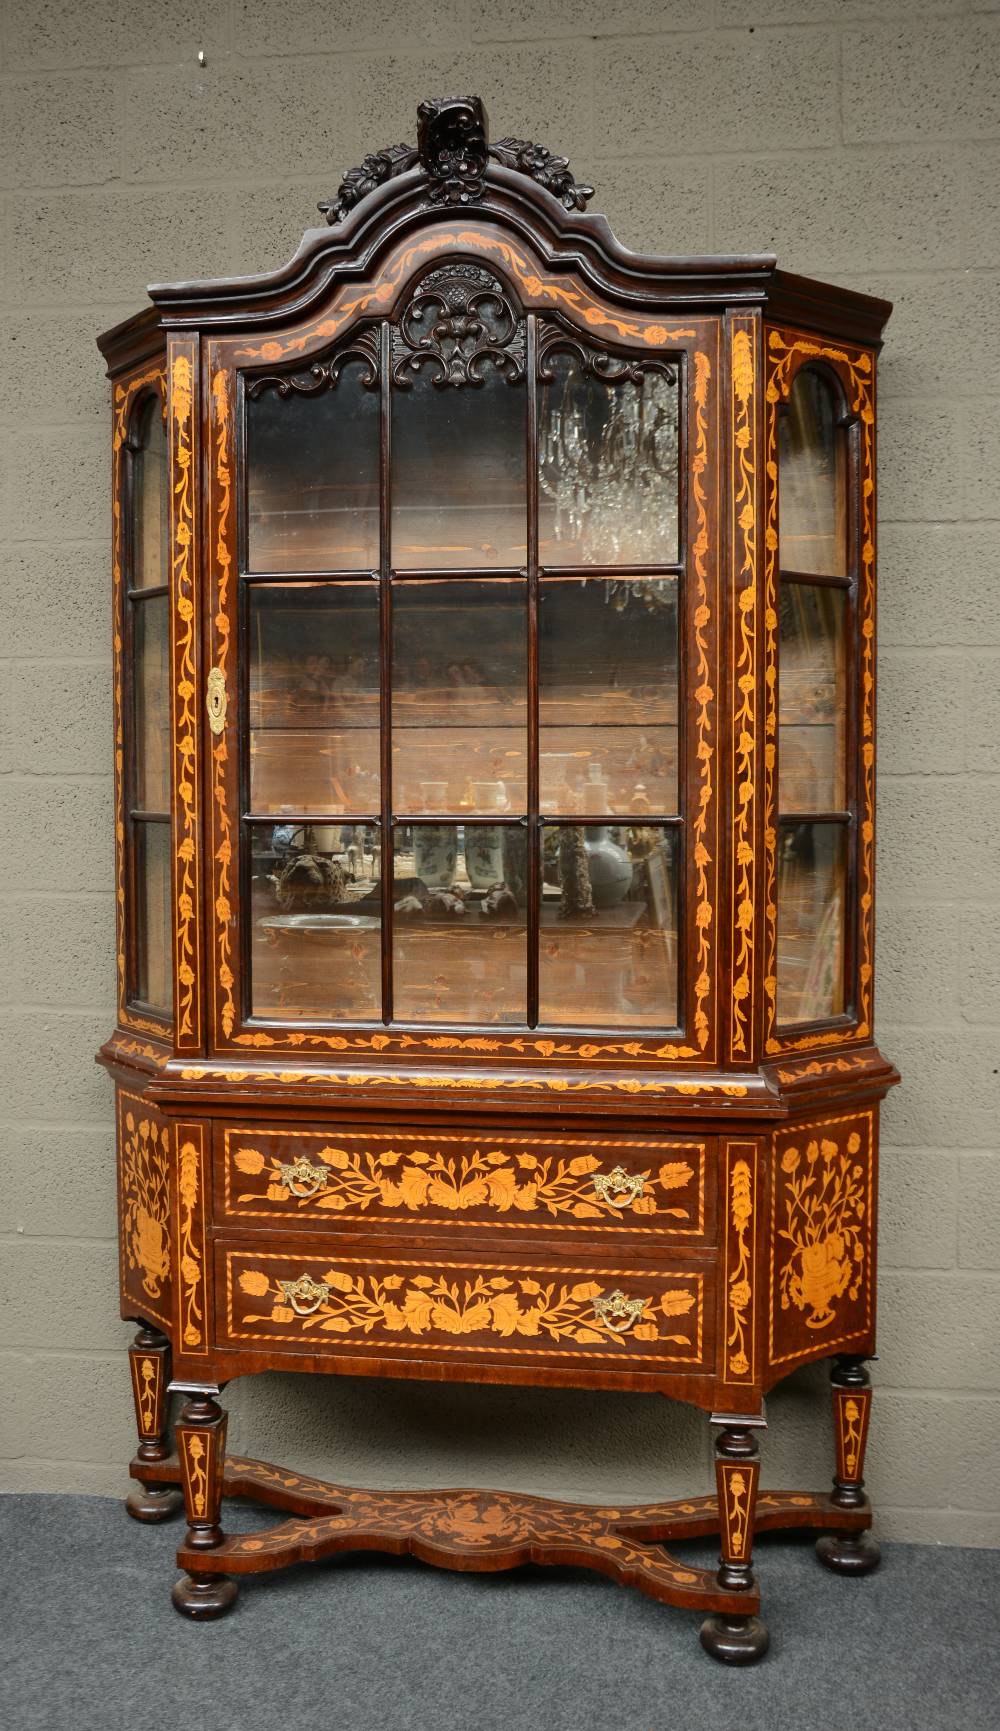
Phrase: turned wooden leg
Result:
[149,1363]
[736,1640]
[201,1445]
[850,1553]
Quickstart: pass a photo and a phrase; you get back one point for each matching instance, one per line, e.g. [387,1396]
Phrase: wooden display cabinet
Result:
[494,739]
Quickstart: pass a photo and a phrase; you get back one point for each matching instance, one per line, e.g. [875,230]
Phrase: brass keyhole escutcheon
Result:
[216,701]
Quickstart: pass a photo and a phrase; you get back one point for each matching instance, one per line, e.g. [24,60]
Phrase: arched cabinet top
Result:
[516,190]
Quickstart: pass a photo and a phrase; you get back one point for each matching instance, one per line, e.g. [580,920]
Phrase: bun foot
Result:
[153,1502]
[735,1640]
[849,1553]
[203,1596]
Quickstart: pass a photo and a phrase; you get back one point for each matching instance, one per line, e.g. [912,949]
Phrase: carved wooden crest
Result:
[453,150]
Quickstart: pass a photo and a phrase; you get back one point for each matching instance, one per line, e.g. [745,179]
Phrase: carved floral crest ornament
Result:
[582,1094]
[453,149]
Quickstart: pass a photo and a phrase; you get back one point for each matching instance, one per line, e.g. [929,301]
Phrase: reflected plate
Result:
[321,922]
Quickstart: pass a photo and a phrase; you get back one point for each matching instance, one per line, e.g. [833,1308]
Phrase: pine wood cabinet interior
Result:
[494,705]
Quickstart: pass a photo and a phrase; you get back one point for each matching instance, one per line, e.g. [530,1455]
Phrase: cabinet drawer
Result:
[316,1302]
[655,1188]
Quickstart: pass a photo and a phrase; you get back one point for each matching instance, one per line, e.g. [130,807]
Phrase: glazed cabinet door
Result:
[464,627]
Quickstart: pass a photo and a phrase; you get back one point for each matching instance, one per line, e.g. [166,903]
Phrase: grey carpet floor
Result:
[89,1642]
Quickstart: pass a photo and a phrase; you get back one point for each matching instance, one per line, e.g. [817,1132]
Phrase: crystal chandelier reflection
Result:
[614,494]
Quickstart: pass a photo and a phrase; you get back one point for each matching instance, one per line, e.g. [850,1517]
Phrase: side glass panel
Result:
[150,496]
[315,936]
[314,698]
[460,951]
[608,940]
[459,696]
[812,698]
[608,471]
[151,691]
[312,477]
[812,860]
[812,457]
[607,696]
[153,984]
[147,758]
[458,475]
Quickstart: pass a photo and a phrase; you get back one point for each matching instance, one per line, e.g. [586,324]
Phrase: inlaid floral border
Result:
[745,614]
[187,771]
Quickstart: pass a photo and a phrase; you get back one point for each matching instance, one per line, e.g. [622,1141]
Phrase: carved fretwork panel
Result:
[460,322]
[596,362]
[325,375]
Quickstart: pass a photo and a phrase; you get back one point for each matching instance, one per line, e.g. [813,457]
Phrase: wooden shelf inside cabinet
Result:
[494,701]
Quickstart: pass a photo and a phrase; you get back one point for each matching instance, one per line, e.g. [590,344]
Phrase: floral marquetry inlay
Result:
[353,1300]
[741,1261]
[144,1168]
[821,1235]
[746,610]
[187,769]
[191,1237]
[515,1185]
[851,1409]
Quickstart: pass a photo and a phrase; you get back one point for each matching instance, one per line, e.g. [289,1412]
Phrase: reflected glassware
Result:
[608,467]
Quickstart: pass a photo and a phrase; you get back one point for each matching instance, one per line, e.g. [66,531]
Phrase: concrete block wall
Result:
[858,138]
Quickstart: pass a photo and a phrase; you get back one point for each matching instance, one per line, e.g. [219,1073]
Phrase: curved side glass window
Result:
[147,765]
[815,806]
[812,499]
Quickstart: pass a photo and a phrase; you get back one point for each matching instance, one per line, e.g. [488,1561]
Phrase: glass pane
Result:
[608,941]
[315,935]
[460,950]
[154,980]
[313,478]
[607,701]
[151,648]
[812,699]
[459,697]
[811,880]
[608,468]
[314,698]
[458,475]
[150,494]
[812,480]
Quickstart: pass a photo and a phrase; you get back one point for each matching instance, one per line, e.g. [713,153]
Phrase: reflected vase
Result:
[610,868]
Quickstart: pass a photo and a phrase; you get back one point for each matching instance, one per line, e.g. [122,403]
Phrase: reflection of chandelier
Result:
[615,497]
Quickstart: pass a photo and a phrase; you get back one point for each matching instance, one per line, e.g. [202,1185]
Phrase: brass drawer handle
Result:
[303,1179]
[619,1187]
[216,701]
[618,1312]
[305,1295]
